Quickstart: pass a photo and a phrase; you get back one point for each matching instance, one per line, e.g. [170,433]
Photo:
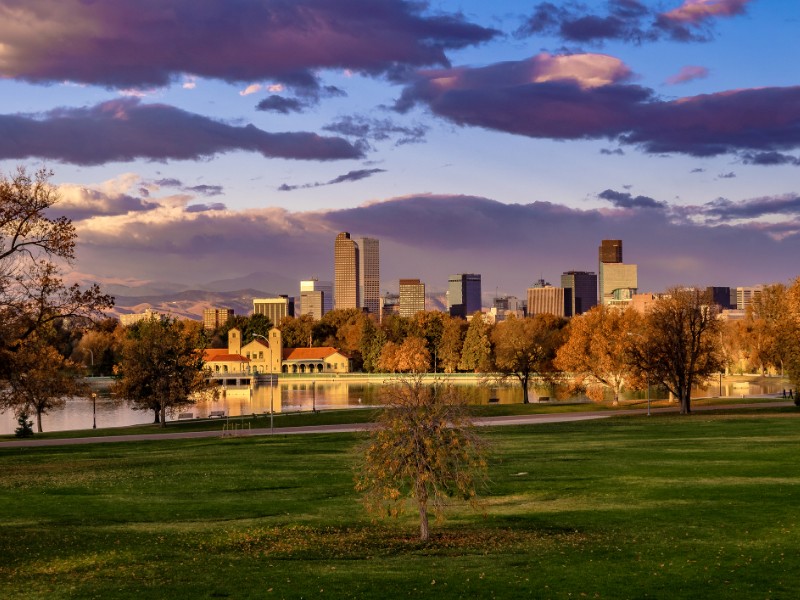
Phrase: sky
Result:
[204,141]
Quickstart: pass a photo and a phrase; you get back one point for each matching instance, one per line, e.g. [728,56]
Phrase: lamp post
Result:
[271,405]
[94,410]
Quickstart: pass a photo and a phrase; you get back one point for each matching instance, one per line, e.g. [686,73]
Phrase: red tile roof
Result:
[308,353]
[224,357]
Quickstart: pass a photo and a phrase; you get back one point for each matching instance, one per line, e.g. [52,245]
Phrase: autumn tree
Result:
[453,333]
[680,344]
[372,341]
[791,335]
[424,448]
[412,356]
[161,367]
[40,380]
[476,354]
[33,248]
[297,331]
[770,334]
[527,347]
[597,348]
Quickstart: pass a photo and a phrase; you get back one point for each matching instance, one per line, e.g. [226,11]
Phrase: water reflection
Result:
[293,396]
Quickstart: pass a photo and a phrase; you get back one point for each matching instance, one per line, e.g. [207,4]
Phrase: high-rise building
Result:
[215,317]
[620,283]
[580,292]
[316,297]
[546,299]
[721,296]
[464,294]
[369,274]
[610,251]
[412,297]
[389,305]
[616,281]
[274,308]
[746,295]
[345,272]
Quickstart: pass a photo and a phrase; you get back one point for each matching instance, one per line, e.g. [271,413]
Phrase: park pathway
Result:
[480,422]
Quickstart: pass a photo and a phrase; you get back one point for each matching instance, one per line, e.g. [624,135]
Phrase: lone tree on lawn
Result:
[161,367]
[424,449]
[680,346]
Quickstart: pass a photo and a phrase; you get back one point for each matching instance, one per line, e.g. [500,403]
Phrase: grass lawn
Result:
[627,507]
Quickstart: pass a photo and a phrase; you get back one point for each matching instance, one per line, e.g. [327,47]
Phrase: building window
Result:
[260,356]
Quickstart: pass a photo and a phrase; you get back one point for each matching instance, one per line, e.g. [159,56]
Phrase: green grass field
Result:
[665,507]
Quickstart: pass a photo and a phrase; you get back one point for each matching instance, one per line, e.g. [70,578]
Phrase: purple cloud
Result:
[584,96]
[279,104]
[356,175]
[626,200]
[377,130]
[770,158]
[205,190]
[152,42]
[126,130]
[197,208]
[629,21]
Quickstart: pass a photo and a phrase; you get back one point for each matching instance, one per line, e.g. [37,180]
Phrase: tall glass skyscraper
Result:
[464,294]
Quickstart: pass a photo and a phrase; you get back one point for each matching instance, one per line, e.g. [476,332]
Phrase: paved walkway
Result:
[480,422]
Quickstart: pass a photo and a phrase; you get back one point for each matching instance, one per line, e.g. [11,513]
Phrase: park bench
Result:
[216,413]
[185,416]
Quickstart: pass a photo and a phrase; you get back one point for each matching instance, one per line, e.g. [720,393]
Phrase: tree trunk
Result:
[38,420]
[156,417]
[686,402]
[616,398]
[524,382]
[424,533]
[163,416]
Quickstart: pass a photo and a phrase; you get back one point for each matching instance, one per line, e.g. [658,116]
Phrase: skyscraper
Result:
[315,293]
[369,270]
[412,297]
[464,294]
[345,271]
[546,299]
[214,317]
[274,308]
[580,292]
[616,282]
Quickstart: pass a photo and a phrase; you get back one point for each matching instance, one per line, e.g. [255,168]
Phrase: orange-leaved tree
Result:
[424,449]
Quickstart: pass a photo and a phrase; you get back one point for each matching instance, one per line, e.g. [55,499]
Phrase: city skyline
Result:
[467,138]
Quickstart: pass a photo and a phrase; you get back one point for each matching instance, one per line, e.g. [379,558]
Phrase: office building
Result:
[216,317]
[721,296]
[620,283]
[546,300]
[610,251]
[134,318]
[316,297]
[369,274]
[346,272]
[580,292]
[463,294]
[389,305]
[412,297]
[274,308]
[617,282]
[746,295]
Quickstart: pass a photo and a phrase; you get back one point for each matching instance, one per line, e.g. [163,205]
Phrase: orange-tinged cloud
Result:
[694,11]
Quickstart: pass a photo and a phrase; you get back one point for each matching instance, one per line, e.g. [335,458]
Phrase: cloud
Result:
[126,130]
[169,182]
[377,130]
[626,200]
[697,170]
[250,89]
[356,175]
[588,97]
[629,21]
[196,208]
[279,104]
[154,42]
[770,158]
[614,151]
[205,190]
[724,210]
[687,74]
[730,175]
